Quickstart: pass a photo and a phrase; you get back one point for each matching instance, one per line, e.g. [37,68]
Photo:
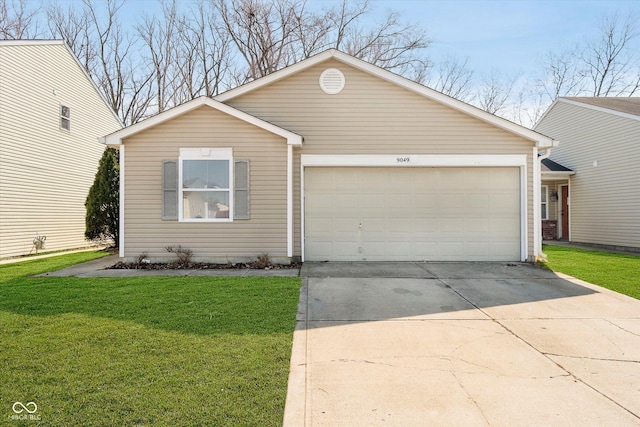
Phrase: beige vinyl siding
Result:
[264,232]
[46,172]
[372,116]
[605,199]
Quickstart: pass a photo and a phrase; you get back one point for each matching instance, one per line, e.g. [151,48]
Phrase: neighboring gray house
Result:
[330,159]
[51,115]
[593,191]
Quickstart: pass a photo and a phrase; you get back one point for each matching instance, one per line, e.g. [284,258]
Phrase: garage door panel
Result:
[345,225]
[476,225]
[346,202]
[407,214]
[319,226]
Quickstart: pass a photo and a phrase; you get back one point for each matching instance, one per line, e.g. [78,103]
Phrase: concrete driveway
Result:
[461,344]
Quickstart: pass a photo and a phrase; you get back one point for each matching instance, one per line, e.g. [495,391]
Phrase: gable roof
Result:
[115,139]
[66,46]
[541,141]
[629,105]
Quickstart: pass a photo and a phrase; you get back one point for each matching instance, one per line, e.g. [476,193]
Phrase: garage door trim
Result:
[421,160]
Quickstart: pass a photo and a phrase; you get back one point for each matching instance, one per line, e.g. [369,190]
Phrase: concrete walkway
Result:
[461,344]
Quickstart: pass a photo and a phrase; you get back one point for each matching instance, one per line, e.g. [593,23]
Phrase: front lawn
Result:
[147,351]
[620,273]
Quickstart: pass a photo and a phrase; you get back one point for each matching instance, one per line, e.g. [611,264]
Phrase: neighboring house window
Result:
[65,117]
[544,204]
[205,184]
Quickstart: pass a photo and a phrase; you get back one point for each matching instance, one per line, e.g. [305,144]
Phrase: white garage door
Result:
[412,214]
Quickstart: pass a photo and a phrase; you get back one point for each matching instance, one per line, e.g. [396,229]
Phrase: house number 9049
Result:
[403,160]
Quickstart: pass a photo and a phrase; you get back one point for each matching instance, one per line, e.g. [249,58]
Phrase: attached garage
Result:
[412,213]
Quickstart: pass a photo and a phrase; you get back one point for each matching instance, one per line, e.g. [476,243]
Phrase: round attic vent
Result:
[332,81]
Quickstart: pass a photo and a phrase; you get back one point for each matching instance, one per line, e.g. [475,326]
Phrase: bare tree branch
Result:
[452,77]
[17,21]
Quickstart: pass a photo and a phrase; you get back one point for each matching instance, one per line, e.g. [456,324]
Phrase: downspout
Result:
[537,238]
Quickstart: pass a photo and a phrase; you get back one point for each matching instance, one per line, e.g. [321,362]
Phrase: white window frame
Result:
[544,191]
[205,154]
[63,117]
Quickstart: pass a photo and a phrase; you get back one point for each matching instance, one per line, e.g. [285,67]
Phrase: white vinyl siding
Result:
[372,116]
[46,173]
[605,206]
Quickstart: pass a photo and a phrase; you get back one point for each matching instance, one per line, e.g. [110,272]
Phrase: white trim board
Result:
[412,160]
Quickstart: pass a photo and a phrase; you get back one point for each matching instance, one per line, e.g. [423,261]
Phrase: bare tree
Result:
[494,92]
[206,53]
[17,21]
[611,65]
[452,76]
[160,36]
[606,66]
[261,31]
[74,26]
[563,74]
[391,44]
[270,35]
[108,53]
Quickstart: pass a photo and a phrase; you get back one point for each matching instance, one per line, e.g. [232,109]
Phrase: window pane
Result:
[543,210]
[205,204]
[65,111]
[543,195]
[205,174]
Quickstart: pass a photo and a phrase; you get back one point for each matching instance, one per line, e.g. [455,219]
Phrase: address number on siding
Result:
[403,160]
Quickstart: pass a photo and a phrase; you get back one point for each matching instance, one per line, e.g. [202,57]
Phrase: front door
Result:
[564,213]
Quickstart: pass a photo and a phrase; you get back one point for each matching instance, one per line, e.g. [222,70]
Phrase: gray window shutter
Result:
[170,189]
[241,190]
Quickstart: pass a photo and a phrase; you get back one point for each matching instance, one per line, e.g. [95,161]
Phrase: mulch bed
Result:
[201,266]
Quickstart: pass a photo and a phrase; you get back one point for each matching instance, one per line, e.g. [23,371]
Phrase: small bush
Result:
[184,255]
[141,260]
[263,261]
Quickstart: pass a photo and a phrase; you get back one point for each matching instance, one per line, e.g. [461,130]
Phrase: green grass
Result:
[620,273]
[156,351]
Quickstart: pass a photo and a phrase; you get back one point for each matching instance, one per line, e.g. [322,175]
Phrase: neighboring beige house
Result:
[51,115]
[330,159]
[596,198]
